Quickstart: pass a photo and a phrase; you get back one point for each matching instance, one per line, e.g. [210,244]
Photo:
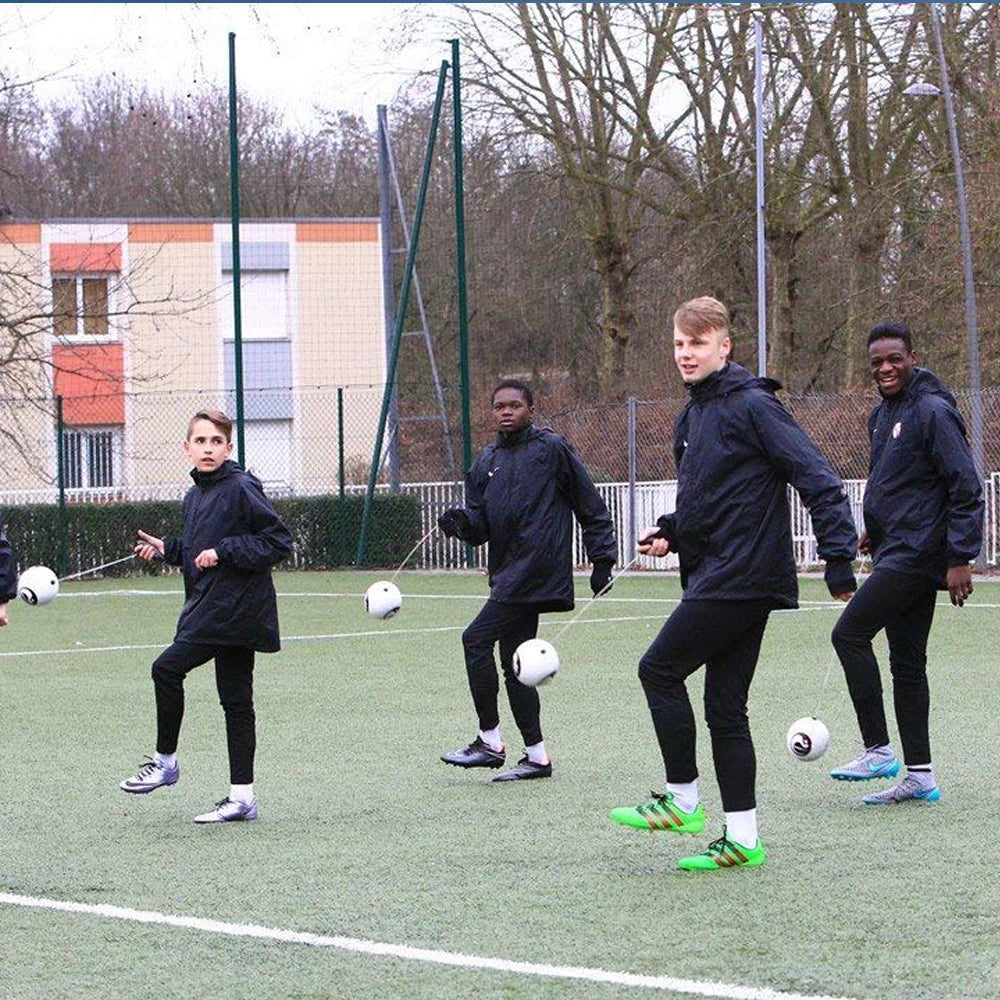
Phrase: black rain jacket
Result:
[8,571]
[521,495]
[233,603]
[924,499]
[737,448]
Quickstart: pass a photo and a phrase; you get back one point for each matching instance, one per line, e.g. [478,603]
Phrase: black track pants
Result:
[903,605]
[234,682]
[725,636]
[509,625]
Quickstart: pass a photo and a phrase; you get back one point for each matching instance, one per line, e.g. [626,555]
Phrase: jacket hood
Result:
[731,378]
[926,383]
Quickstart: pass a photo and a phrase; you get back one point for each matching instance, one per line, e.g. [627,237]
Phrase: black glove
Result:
[600,578]
[839,577]
[455,523]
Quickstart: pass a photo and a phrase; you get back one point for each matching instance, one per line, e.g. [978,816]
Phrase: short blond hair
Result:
[702,315]
[217,417]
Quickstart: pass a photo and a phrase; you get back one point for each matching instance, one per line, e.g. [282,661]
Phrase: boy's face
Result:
[891,364]
[698,355]
[511,410]
[207,446]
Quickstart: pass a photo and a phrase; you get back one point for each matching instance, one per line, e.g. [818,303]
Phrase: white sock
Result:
[924,773]
[685,794]
[492,738]
[742,827]
[536,753]
[165,760]
[241,793]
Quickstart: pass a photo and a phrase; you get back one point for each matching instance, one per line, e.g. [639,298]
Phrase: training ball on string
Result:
[383,599]
[807,738]
[535,662]
[37,585]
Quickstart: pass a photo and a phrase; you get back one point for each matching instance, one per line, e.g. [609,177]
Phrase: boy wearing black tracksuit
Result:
[737,449]
[8,575]
[521,496]
[923,514]
[232,538]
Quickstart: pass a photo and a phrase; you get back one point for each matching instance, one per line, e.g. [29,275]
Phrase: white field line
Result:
[385,633]
[607,599]
[690,987]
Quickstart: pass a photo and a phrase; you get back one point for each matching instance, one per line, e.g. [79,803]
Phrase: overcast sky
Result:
[350,56]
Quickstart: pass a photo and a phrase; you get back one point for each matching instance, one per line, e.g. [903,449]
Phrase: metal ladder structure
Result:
[390,199]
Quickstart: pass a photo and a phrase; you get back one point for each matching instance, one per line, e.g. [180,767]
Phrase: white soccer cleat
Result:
[228,811]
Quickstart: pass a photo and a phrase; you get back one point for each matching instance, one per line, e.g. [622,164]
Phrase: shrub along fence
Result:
[78,537]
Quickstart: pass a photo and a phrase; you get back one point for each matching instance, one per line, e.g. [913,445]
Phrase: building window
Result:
[91,457]
[80,306]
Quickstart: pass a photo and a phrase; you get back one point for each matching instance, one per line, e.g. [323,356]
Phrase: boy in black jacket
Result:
[8,576]
[521,496]
[737,449]
[923,526]
[232,537]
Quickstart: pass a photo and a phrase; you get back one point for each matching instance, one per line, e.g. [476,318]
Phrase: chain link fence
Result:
[317,442]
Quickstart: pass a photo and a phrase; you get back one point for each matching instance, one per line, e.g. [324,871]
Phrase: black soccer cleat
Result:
[525,769]
[476,754]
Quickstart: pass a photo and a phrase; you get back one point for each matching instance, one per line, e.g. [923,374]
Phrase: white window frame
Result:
[79,278]
[85,463]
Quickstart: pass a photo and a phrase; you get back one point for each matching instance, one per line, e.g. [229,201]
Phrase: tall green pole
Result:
[463,300]
[342,501]
[61,478]
[404,298]
[234,212]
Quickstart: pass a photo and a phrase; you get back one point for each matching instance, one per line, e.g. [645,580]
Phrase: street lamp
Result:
[971,314]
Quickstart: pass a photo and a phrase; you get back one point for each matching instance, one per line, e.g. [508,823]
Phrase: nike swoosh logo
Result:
[489,475]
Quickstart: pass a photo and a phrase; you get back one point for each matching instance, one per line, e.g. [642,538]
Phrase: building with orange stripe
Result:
[132,328]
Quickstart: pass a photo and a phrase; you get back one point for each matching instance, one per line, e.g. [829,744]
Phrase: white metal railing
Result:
[437,552]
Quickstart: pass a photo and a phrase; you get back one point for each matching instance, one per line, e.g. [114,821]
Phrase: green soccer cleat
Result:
[660,814]
[725,853]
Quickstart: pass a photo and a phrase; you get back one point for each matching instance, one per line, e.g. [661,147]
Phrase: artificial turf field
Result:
[366,839]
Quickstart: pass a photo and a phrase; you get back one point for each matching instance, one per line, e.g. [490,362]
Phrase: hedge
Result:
[325,530]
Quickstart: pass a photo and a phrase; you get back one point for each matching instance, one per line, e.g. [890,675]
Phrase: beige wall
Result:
[172,289]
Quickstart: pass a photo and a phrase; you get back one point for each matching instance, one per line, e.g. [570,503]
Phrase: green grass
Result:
[364,833]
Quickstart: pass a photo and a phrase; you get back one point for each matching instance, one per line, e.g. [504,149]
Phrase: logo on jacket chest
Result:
[896,428]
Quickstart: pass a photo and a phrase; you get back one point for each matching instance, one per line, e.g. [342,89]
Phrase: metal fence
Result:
[635,506]
[316,440]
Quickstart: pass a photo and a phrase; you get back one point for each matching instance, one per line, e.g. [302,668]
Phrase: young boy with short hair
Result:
[232,537]
[521,495]
[923,527]
[737,450]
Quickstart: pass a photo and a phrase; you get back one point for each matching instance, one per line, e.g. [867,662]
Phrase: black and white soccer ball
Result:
[535,662]
[383,599]
[807,738]
[37,585]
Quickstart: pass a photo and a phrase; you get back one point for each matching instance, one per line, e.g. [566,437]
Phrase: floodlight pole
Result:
[761,244]
[234,211]
[971,312]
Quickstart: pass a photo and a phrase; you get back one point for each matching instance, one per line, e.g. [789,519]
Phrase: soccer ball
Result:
[807,738]
[383,599]
[535,662]
[37,585]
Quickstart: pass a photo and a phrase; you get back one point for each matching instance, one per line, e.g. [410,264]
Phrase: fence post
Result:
[61,482]
[342,503]
[631,480]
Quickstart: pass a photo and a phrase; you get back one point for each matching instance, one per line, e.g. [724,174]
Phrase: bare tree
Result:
[554,69]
